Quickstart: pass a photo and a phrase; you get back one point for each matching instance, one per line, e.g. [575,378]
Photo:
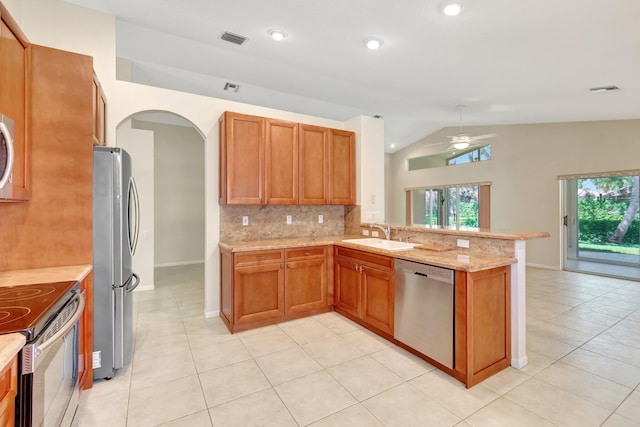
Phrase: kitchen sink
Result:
[388,245]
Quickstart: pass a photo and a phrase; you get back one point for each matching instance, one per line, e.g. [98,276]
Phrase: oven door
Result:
[6,157]
[49,394]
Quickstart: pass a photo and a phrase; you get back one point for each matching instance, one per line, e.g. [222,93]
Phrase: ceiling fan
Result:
[462,140]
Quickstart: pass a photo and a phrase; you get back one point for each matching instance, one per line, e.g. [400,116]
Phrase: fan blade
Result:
[487,136]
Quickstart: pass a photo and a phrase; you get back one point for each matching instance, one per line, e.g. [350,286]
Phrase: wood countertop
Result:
[456,259]
[45,275]
[10,345]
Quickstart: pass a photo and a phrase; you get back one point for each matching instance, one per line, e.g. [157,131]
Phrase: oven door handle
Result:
[66,328]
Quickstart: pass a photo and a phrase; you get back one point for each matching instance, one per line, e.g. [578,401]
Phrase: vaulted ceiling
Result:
[508,61]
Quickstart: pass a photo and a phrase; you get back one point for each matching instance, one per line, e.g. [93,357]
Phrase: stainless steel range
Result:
[47,315]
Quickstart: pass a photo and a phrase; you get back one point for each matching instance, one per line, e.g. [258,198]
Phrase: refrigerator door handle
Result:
[135,221]
[133,284]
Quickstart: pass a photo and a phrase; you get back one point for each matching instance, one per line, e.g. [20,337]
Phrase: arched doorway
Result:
[168,161]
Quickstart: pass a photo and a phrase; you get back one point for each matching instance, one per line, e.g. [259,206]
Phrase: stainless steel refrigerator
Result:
[115,235]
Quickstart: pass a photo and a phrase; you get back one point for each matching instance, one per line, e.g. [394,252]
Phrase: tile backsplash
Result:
[270,222]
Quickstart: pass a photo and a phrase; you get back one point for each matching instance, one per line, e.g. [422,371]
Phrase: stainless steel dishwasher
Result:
[423,319]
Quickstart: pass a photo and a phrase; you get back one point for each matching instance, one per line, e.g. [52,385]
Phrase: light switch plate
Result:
[320,219]
[245,220]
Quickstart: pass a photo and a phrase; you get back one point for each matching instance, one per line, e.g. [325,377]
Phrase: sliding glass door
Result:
[602,221]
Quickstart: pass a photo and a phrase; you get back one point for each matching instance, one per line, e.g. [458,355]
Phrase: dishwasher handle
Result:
[431,272]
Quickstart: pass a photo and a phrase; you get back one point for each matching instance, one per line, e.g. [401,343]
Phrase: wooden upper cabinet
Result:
[242,147]
[14,83]
[314,165]
[99,113]
[281,167]
[343,167]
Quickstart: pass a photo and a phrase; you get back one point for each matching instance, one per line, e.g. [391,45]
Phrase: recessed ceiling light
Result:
[373,44]
[393,145]
[277,35]
[231,87]
[452,9]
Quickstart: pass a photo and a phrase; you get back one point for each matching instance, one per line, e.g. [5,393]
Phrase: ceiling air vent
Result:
[233,38]
[602,89]
[231,87]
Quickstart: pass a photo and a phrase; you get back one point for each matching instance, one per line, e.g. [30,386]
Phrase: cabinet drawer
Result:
[257,257]
[362,257]
[305,253]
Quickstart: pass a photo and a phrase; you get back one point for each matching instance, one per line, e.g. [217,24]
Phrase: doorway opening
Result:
[602,225]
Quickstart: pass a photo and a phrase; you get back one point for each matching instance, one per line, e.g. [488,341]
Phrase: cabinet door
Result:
[305,285]
[99,112]
[377,298]
[281,168]
[313,165]
[241,159]
[343,167]
[258,293]
[13,90]
[347,285]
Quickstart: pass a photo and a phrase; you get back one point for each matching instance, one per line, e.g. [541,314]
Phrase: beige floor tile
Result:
[307,330]
[161,369]
[536,362]
[118,385]
[406,406]
[268,342]
[264,409]
[366,341]
[332,351]
[257,331]
[543,310]
[165,402]
[606,308]
[614,350]
[577,324]
[626,332]
[155,328]
[287,365]
[630,408]
[200,323]
[502,412]
[216,354]
[152,346]
[616,420]
[364,377]
[204,338]
[587,313]
[557,405]
[100,410]
[353,416]
[402,363]
[199,419]
[232,382]
[505,380]
[338,324]
[548,346]
[604,392]
[559,333]
[314,397]
[452,394]
[614,370]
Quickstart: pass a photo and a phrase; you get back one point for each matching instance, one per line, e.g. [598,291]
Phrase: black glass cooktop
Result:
[29,308]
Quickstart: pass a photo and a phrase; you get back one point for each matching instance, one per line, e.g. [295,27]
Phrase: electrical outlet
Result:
[245,220]
[365,232]
[462,243]
[320,219]
[289,220]
[374,233]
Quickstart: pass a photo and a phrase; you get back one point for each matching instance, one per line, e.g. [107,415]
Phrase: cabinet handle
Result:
[288,265]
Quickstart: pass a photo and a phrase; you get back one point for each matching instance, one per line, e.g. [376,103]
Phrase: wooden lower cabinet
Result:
[8,391]
[259,288]
[85,336]
[364,287]
[483,324]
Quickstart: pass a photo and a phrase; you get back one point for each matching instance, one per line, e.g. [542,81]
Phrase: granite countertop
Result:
[10,345]
[45,275]
[457,259]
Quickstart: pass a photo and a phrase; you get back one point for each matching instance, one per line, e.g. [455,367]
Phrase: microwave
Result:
[6,156]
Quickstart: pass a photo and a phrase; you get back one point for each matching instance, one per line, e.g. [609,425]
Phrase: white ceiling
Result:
[508,61]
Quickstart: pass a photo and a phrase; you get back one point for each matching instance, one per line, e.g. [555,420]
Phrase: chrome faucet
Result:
[386,228]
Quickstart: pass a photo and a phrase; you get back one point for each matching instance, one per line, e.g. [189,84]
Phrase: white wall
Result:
[179,194]
[139,144]
[526,161]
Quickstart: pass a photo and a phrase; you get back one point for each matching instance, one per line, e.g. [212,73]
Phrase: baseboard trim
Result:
[209,314]
[544,266]
[174,264]
[520,363]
